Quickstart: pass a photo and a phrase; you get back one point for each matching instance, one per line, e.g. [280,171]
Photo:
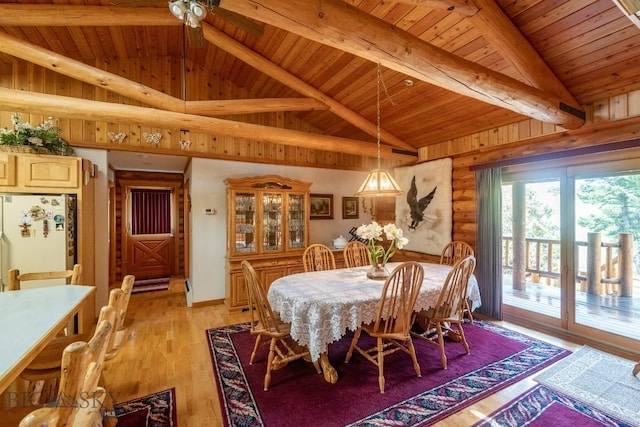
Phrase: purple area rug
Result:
[154,410]
[299,396]
[543,407]
[148,285]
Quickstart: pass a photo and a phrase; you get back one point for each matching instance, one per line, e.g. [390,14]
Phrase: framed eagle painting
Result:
[424,211]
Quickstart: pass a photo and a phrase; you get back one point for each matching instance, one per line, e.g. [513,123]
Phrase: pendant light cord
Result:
[379,75]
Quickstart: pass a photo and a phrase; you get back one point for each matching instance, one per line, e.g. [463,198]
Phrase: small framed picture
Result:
[321,206]
[350,208]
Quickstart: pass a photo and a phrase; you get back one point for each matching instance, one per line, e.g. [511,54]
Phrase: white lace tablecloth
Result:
[322,305]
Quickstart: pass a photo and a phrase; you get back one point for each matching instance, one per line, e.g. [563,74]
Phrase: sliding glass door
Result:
[532,247]
[571,247]
[607,242]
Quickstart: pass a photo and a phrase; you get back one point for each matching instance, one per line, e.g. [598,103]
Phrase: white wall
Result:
[209,234]
[101,229]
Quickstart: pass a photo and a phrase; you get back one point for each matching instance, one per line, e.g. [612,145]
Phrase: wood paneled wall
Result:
[611,120]
[165,74]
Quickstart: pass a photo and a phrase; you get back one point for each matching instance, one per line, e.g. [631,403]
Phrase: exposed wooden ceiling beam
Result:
[463,7]
[109,81]
[240,51]
[250,106]
[83,109]
[337,24]
[33,15]
[502,34]
[39,15]
[88,74]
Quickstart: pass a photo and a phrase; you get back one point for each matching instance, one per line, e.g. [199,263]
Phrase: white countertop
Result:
[29,319]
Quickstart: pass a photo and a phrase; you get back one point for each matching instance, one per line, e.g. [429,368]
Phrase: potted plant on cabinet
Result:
[27,138]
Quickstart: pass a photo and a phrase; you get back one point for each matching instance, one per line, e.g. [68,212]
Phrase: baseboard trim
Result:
[207,303]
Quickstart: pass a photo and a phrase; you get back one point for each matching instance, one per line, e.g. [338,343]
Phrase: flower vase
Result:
[378,271]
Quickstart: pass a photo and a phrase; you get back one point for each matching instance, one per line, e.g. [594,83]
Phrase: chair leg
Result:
[255,349]
[467,310]
[272,351]
[463,338]
[354,341]
[443,356]
[412,352]
[381,364]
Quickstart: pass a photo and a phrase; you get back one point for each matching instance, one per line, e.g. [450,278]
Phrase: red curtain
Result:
[150,211]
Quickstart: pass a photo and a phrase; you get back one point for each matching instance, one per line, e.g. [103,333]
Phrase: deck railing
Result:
[614,275]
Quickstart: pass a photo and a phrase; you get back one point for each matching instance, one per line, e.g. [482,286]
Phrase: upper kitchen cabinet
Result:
[31,173]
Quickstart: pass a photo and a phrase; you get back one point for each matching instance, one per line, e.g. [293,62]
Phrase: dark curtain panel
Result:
[150,211]
[489,240]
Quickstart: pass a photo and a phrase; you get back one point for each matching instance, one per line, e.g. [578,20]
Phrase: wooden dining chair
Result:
[43,373]
[80,372]
[264,323]
[452,253]
[448,310]
[14,277]
[71,277]
[356,254]
[392,325]
[120,300]
[80,363]
[318,257]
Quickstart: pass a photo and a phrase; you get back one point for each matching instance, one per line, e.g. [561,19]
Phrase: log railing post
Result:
[594,241]
[625,264]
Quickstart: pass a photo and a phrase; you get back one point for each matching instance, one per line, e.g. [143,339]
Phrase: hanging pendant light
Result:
[379,182]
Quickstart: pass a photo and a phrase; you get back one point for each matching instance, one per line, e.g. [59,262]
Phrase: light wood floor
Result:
[167,348]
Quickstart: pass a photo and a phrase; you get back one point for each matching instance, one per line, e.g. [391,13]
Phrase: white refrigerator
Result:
[37,234]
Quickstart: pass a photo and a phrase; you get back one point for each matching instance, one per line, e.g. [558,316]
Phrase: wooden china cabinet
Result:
[267,225]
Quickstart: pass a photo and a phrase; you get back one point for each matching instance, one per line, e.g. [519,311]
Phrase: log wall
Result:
[612,120]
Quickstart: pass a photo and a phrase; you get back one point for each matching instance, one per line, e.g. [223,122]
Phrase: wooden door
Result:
[149,255]
[149,243]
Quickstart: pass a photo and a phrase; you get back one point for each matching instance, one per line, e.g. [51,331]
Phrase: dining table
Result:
[322,306]
[30,319]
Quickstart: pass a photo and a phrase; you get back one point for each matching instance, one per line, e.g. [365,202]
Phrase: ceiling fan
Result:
[191,12]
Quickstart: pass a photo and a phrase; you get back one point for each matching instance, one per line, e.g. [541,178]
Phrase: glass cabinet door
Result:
[245,217]
[272,222]
[296,221]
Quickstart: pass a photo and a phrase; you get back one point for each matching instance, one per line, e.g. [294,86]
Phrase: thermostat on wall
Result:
[209,211]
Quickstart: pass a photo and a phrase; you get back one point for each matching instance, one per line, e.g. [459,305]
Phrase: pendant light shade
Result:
[379,183]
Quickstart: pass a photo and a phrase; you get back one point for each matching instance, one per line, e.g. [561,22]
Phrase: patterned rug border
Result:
[161,407]
[240,408]
[531,404]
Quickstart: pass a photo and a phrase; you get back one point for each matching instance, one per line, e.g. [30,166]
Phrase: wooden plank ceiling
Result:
[449,68]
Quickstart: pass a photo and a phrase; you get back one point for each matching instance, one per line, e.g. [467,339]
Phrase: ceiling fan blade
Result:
[239,21]
[195,37]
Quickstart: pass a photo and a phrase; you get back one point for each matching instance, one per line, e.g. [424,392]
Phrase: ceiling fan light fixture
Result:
[197,10]
[192,20]
[178,8]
